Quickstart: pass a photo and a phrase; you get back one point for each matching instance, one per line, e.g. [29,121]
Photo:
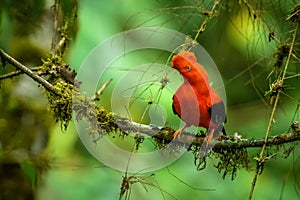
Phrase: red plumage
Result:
[195,101]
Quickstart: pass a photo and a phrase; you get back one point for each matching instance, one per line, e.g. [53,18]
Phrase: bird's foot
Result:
[207,144]
[178,132]
[208,137]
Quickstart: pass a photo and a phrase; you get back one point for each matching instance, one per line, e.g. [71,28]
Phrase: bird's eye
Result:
[188,68]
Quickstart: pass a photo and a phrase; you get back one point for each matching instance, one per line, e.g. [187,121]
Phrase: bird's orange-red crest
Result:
[186,63]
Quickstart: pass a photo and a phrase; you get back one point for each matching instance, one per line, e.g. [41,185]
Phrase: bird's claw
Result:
[178,132]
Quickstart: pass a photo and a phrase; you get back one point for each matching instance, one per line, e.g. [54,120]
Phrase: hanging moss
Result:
[280,54]
[61,105]
[230,160]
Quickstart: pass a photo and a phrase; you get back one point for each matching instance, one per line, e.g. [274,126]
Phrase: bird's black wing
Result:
[218,116]
[173,107]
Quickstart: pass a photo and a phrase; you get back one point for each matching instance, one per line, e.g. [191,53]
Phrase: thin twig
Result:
[11,75]
[27,71]
[292,76]
[261,159]
[55,25]
[209,16]
[18,72]
[60,47]
[100,91]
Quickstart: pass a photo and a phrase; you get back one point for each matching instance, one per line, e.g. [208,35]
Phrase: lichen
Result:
[139,139]
[163,137]
[199,161]
[99,120]
[230,160]
[281,53]
[61,105]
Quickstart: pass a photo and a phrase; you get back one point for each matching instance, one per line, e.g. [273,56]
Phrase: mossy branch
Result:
[65,97]
[127,126]
[225,142]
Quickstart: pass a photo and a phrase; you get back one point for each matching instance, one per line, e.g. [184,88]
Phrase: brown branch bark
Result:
[19,72]
[225,142]
[27,71]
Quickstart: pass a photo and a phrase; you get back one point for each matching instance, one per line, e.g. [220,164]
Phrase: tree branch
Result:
[261,160]
[27,71]
[209,15]
[225,142]
[166,134]
[55,25]
[96,96]
[18,72]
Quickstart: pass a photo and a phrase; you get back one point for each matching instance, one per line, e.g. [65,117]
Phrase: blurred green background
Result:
[237,43]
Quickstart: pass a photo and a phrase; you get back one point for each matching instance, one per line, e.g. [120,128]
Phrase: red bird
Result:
[195,101]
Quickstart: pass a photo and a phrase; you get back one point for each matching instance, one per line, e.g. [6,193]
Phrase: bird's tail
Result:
[223,130]
[210,140]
